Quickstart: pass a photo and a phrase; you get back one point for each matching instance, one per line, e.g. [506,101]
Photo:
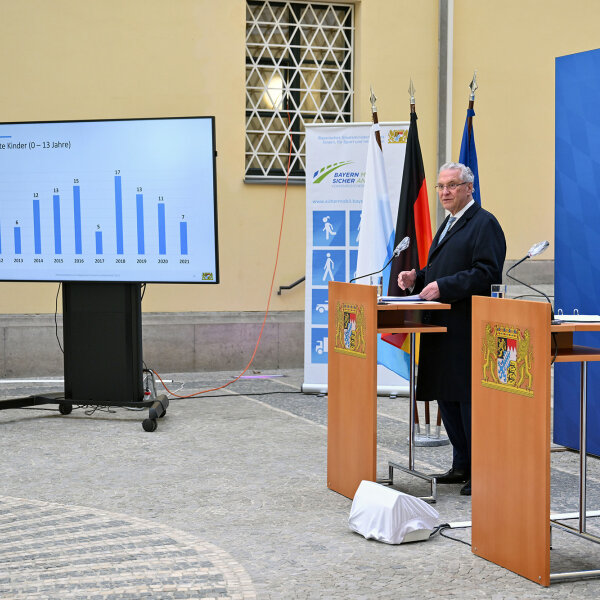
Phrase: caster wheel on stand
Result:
[64,408]
[149,425]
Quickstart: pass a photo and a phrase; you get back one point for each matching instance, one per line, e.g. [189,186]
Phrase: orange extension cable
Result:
[268,301]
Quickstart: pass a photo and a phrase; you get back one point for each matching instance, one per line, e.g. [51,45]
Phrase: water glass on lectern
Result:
[377,281]
[498,290]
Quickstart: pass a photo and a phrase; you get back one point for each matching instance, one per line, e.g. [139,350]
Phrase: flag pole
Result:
[472,86]
[373,99]
[413,409]
[427,439]
[468,153]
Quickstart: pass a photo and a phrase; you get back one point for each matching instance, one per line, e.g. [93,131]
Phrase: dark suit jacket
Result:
[466,263]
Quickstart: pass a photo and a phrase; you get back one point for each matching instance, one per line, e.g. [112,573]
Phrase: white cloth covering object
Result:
[387,515]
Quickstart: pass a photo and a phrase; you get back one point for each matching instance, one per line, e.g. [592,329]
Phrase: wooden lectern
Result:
[355,319]
[512,352]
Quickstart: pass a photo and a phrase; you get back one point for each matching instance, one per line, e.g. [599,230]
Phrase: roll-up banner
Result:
[577,236]
[336,157]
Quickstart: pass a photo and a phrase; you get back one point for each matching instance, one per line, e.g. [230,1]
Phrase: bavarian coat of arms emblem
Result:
[507,359]
[350,329]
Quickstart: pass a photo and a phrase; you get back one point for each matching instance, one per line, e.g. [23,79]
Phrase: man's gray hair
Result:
[465,173]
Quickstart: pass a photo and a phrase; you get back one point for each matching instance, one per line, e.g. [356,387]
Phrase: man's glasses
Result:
[451,186]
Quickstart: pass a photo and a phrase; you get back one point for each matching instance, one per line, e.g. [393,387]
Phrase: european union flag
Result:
[468,153]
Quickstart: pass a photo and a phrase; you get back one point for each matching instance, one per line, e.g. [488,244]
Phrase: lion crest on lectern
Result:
[507,359]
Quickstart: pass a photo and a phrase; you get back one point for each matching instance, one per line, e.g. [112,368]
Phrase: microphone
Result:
[533,251]
[401,247]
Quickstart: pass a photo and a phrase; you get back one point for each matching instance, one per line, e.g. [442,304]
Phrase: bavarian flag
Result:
[376,241]
[468,153]
[413,221]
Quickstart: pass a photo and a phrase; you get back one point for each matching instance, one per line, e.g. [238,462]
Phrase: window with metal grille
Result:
[298,71]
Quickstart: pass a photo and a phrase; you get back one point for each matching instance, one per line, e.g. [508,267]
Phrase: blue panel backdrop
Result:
[577,233]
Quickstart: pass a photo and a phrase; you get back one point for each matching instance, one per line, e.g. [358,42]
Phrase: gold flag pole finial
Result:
[375,117]
[373,99]
[473,85]
[411,92]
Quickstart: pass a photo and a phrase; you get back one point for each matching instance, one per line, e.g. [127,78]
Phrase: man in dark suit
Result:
[466,257]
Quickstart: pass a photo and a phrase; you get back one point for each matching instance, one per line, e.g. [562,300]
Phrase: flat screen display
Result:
[111,200]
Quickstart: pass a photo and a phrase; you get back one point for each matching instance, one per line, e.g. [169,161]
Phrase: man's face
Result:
[453,200]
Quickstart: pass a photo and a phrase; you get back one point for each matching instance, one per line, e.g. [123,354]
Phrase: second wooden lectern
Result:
[513,346]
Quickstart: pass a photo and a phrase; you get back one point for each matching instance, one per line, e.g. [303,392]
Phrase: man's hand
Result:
[406,279]
[430,291]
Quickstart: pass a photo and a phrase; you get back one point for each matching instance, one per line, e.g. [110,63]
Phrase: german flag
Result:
[413,219]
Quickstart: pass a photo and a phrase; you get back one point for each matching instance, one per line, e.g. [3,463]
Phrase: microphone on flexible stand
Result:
[533,251]
[401,247]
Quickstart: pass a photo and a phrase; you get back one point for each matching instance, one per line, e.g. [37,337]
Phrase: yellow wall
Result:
[140,58]
[513,45]
[397,40]
[74,59]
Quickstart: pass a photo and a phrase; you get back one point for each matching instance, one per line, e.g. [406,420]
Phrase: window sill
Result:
[257,179]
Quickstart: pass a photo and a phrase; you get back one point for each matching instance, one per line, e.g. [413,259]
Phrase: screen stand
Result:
[102,333]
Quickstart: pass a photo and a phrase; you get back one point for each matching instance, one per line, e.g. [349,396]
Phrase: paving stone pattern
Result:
[228,499]
[50,550]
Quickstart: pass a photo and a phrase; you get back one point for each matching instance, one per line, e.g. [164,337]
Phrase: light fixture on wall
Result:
[273,96]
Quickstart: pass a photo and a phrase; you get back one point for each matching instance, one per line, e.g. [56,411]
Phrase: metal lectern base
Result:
[432,498]
[431,439]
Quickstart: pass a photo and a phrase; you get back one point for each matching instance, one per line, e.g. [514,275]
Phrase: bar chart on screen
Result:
[108,201]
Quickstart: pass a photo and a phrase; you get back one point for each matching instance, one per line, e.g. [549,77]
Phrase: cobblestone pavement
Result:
[49,550]
[228,499]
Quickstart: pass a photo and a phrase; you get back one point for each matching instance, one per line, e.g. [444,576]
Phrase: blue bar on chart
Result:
[57,244]
[37,231]
[77,218]
[119,213]
[17,240]
[139,203]
[98,242]
[162,236]
[183,235]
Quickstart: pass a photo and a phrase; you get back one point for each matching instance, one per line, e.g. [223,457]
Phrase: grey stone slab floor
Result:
[228,499]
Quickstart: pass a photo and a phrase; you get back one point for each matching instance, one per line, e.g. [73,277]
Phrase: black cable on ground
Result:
[441,528]
[89,407]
